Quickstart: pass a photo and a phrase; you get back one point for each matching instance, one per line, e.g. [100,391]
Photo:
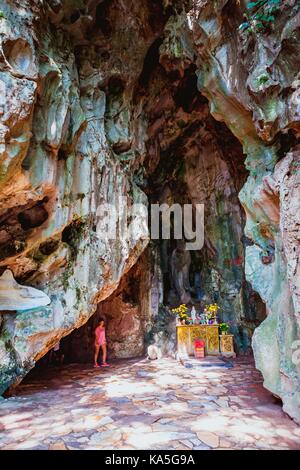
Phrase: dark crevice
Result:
[115,86]
[72,235]
[33,217]
[62,154]
[16,225]
[102,18]
[48,247]
[75,16]
[286,143]
[121,147]
[187,95]
[232,151]
[151,62]
[157,16]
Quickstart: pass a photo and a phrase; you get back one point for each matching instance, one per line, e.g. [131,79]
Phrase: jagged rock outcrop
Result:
[98,100]
[252,83]
[13,296]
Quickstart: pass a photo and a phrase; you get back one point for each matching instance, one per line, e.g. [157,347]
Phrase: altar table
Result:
[187,334]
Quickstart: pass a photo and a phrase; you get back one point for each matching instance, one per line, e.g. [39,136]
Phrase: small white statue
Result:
[154,352]
[193,315]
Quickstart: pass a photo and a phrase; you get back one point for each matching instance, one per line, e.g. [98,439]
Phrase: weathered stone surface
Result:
[143,420]
[263,116]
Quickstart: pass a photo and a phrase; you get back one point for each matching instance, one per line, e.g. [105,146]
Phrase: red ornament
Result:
[199,348]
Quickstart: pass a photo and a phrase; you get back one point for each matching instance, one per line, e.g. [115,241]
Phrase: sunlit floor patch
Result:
[139,404]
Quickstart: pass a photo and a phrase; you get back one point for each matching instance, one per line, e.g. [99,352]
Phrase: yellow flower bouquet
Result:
[181,313]
[210,312]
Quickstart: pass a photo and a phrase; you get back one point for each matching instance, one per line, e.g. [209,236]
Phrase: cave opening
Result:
[126,325]
[194,159]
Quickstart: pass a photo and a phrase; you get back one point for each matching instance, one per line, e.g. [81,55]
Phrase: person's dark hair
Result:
[100,320]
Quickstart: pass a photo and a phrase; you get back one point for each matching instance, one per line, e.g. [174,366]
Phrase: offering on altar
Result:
[224,327]
[181,314]
[210,313]
[193,315]
[188,334]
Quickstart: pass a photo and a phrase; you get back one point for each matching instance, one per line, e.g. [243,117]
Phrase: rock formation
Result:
[65,149]
[13,296]
[108,102]
[252,83]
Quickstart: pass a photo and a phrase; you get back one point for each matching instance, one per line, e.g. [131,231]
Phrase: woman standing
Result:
[100,342]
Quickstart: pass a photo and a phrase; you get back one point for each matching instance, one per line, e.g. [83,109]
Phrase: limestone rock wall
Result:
[252,83]
[68,143]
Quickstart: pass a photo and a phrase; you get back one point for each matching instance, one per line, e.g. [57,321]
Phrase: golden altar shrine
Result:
[226,345]
[187,334]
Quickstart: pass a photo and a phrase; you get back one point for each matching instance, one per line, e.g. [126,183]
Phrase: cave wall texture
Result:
[153,100]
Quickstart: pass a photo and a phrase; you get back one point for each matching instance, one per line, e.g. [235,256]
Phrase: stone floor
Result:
[139,404]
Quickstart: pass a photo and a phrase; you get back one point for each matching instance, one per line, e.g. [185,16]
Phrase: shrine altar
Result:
[187,334]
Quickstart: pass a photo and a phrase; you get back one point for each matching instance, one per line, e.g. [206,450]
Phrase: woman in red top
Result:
[100,342]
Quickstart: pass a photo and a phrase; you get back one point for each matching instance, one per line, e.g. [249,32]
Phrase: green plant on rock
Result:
[78,295]
[224,327]
[73,234]
[262,79]
[260,15]
[295,168]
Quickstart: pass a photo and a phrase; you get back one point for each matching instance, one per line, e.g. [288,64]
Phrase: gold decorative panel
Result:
[226,342]
[212,340]
[183,341]
[197,332]
[187,334]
